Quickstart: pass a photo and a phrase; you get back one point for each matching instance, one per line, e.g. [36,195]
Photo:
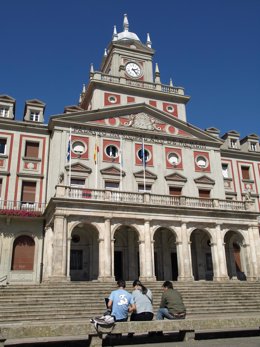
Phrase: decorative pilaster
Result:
[105,249]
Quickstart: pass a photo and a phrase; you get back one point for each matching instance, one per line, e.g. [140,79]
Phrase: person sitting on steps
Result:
[171,306]
[143,303]
[120,302]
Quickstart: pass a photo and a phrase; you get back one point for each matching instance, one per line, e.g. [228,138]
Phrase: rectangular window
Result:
[28,192]
[253,147]
[176,191]
[203,193]
[147,189]
[225,170]
[31,149]
[34,116]
[233,143]
[2,146]
[4,112]
[1,184]
[77,182]
[245,172]
[111,185]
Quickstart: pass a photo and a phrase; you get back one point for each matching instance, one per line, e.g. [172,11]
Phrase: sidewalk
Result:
[231,342]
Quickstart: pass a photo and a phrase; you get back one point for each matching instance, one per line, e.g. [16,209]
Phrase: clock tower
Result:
[127,76]
[126,56]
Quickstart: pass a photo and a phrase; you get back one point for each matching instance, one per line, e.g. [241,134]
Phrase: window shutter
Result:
[175,191]
[245,173]
[23,253]
[204,193]
[28,191]
[32,149]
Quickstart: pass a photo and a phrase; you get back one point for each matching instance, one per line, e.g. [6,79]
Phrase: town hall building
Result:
[122,186]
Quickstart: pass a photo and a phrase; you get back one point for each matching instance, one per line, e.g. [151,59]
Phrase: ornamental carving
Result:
[142,121]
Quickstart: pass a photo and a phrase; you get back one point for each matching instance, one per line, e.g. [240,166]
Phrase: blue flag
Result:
[68,150]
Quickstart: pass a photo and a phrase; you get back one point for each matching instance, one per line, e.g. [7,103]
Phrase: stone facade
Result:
[122,186]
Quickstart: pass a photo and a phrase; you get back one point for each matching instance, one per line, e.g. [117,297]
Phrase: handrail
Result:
[21,208]
[152,199]
[139,84]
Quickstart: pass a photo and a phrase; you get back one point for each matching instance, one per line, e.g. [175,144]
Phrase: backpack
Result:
[105,321]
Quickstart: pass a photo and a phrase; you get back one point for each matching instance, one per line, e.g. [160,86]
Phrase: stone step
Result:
[63,301]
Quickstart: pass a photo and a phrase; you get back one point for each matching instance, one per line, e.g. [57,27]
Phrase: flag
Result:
[96,150]
[69,149]
[143,155]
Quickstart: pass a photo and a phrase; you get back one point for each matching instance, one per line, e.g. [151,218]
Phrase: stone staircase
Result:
[83,300]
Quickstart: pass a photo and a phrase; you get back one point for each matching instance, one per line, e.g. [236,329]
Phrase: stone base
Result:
[147,279]
[185,279]
[106,279]
[58,279]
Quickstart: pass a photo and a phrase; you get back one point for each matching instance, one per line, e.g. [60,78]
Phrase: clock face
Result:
[133,70]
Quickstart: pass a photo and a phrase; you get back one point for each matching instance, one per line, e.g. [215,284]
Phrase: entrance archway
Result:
[236,259]
[126,253]
[165,255]
[84,253]
[202,265]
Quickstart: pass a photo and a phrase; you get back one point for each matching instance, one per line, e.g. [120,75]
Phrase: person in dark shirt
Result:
[171,306]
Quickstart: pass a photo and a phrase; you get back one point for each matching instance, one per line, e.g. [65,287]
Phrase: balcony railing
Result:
[151,199]
[22,209]
[138,84]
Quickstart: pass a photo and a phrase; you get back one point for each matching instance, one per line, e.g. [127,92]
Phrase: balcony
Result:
[137,84]
[21,209]
[151,199]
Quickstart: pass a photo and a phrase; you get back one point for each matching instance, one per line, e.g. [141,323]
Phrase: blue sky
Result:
[209,47]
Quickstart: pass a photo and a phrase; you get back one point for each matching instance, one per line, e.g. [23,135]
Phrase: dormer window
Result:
[34,116]
[4,112]
[233,143]
[253,146]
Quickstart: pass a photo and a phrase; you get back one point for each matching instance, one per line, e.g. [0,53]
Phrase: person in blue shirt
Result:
[120,302]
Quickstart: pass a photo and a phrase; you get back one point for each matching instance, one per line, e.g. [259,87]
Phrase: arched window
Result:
[23,253]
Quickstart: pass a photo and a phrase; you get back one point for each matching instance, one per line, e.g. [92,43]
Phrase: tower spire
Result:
[148,41]
[125,23]
[157,74]
[115,36]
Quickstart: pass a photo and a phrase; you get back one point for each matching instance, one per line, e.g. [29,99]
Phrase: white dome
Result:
[127,35]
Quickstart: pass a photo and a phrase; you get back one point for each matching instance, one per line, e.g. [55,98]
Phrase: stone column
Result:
[184,255]
[148,256]
[256,244]
[218,249]
[47,253]
[68,257]
[107,271]
[101,259]
[59,260]
[142,258]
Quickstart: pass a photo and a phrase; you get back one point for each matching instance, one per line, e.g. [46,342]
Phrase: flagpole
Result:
[144,165]
[121,162]
[96,161]
[70,158]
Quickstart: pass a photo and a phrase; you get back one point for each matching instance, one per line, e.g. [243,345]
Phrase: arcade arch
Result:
[126,253]
[84,253]
[201,255]
[165,255]
[235,255]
